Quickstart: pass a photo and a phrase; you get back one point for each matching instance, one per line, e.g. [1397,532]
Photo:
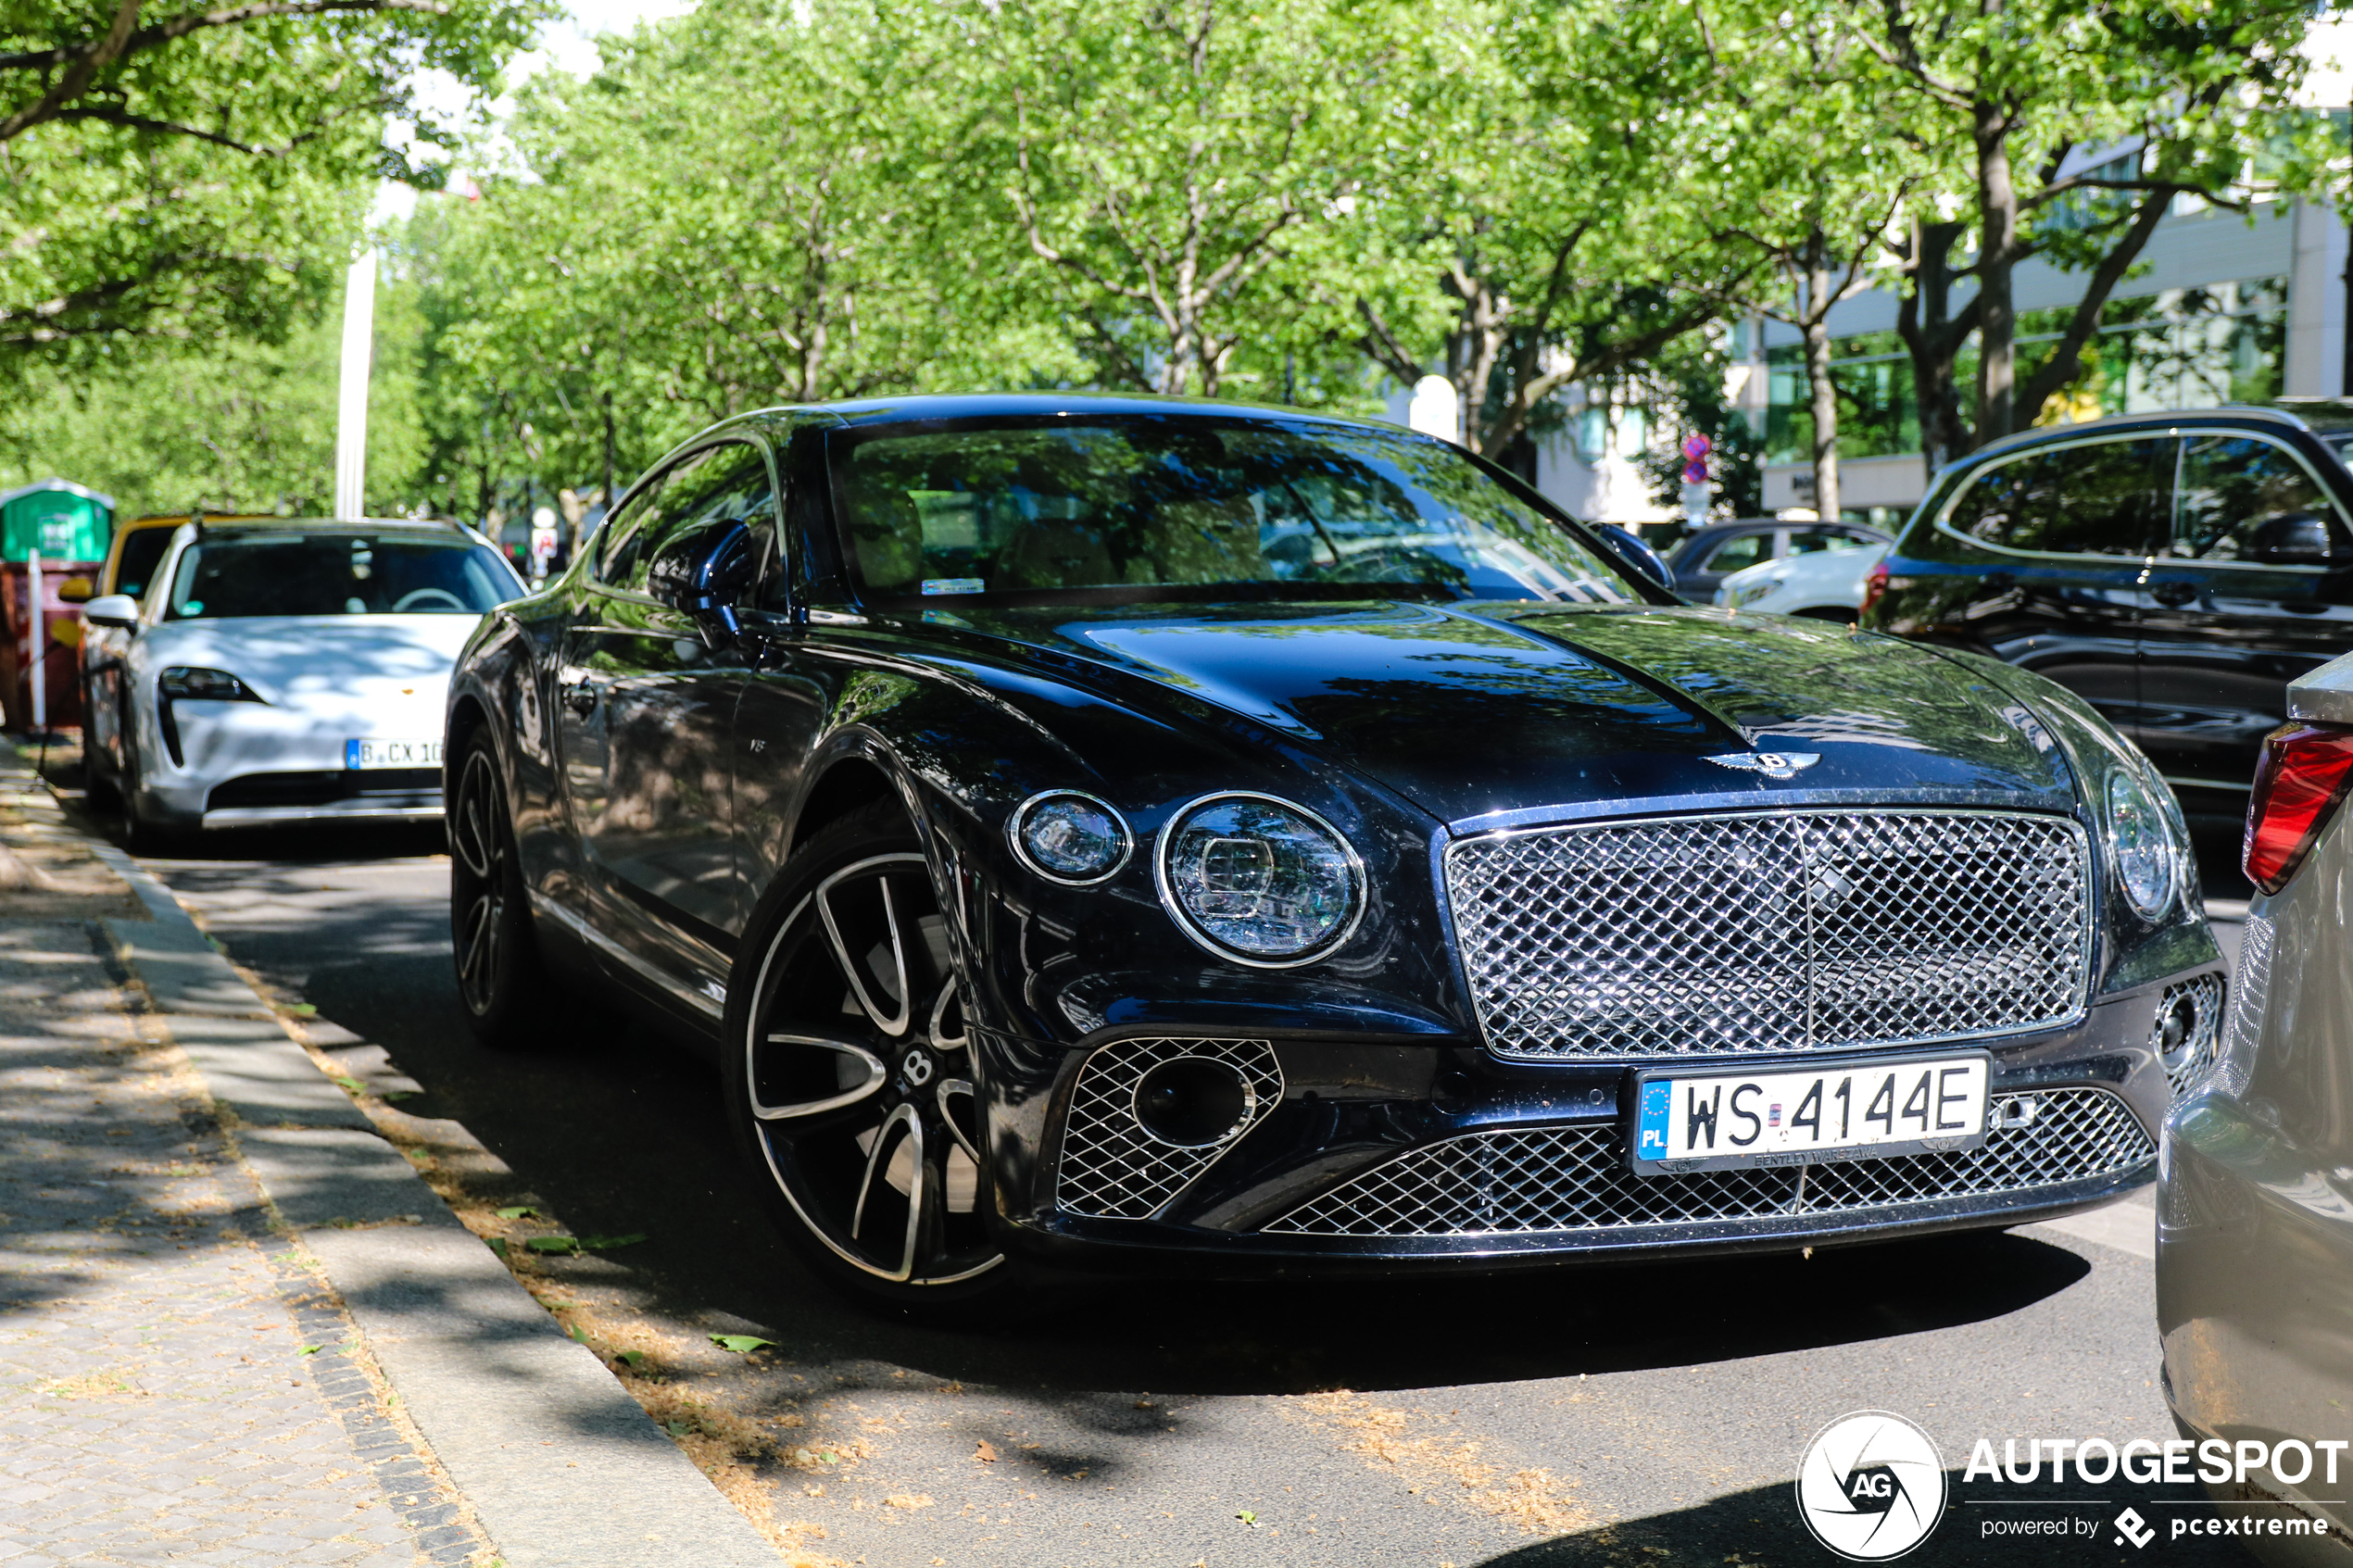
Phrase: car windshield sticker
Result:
[955,585]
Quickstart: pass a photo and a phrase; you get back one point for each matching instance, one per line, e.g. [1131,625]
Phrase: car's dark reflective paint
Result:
[2175,570]
[670,757]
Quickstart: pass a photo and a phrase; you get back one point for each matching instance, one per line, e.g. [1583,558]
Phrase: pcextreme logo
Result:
[1871,1486]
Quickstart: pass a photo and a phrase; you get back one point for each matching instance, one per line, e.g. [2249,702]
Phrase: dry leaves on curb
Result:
[986,1452]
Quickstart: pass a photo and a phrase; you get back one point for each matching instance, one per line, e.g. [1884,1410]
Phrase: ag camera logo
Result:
[1871,1486]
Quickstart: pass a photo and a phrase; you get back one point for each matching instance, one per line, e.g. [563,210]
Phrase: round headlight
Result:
[1259,880]
[2141,847]
[1069,838]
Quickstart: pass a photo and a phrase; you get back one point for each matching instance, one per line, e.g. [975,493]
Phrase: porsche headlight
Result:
[2141,846]
[1259,880]
[186,681]
[1069,838]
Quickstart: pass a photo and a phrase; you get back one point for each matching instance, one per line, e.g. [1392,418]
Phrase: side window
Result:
[2246,499]
[726,481]
[1814,541]
[1741,550]
[2100,498]
[622,549]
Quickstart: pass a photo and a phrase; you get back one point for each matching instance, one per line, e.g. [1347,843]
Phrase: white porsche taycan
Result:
[286,670]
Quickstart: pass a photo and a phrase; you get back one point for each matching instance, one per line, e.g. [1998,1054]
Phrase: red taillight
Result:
[1874,588]
[2300,783]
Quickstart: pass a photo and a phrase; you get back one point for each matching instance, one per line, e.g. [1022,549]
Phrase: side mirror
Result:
[1636,556]
[2298,539]
[111,610]
[703,571]
[74,591]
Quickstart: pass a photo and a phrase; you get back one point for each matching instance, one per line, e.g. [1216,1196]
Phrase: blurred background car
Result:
[2255,1201]
[288,670]
[1820,586]
[1703,558]
[2175,570]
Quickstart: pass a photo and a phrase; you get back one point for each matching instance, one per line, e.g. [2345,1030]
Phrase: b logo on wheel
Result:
[918,1068]
[1871,1486]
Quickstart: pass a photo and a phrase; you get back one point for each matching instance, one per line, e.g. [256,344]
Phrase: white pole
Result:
[40,646]
[351,414]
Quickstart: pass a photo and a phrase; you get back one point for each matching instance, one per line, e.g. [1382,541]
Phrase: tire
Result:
[852,1093]
[501,980]
[140,836]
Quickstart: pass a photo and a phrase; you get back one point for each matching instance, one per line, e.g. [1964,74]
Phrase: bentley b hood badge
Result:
[1772,764]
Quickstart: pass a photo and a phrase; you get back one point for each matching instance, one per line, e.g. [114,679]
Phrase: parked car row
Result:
[1136,836]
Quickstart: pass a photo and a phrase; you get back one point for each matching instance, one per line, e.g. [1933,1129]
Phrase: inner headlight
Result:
[2141,846]
[1069,838]
[1259,880]
[195,682]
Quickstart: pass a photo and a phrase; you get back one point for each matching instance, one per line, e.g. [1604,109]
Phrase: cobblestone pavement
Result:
[176,1384]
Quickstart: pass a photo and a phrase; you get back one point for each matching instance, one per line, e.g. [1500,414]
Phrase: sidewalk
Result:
[236,1326]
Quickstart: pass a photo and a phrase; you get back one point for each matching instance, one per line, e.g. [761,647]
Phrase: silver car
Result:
[284,670]
[2255,1198]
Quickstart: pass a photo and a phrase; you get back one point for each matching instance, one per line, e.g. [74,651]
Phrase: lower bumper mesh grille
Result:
[2189,1059]
[1575,1179]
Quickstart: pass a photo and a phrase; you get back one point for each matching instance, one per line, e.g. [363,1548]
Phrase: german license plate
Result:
[392,754]
[1686,1120]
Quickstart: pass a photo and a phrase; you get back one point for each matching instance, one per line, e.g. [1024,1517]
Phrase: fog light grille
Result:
[1112,1166]
[2205,996]
[1575,1179]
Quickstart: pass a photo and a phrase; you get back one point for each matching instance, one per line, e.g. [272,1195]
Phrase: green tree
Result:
[183,174]
[1548,224]
[2069,129]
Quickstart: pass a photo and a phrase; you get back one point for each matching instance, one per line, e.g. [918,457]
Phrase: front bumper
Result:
[243,764]
[1388,1156]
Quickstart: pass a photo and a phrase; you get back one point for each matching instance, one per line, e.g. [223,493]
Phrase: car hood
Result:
[1477,708]
[322,662]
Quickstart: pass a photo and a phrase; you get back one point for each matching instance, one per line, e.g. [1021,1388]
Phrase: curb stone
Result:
[561,1466]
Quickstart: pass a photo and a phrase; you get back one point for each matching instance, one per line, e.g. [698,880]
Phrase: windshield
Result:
[334,574]
[1150,503]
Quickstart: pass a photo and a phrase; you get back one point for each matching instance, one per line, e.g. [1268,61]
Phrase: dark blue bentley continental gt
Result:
[1126,833]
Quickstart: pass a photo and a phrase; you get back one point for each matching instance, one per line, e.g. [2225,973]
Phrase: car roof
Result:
[373,527]
[2313,414]
[917,408]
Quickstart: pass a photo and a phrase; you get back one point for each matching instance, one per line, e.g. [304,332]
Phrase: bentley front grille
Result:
[1772,932]
[1575,1178]
[1113,1167]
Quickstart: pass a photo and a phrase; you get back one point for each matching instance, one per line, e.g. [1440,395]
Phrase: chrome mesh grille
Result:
[1575,1179]
[2197,1048]
[1773,932]
[1110,1168]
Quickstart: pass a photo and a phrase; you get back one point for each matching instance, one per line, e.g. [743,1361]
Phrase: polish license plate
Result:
[1686,1120]
[392,754]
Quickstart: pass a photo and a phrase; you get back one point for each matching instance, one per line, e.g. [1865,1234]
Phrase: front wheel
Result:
[850,1083]
[499,977]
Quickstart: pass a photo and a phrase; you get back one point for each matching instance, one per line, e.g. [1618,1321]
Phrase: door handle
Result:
[2173,596]
[581,699]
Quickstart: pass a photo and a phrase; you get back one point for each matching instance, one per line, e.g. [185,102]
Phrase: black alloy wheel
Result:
[499,977]
[849,1080]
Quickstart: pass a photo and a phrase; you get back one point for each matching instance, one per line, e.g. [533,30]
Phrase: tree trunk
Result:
[1997,410]
[1933,336]
[1814,312]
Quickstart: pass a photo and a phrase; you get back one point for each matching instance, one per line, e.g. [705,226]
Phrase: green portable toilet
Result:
[60,518]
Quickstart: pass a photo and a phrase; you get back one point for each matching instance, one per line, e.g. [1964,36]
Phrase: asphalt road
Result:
[1649,1415]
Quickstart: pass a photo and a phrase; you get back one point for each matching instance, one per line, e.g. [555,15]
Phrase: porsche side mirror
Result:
[74,591]
[111,610]
[702,573]
[1635,555]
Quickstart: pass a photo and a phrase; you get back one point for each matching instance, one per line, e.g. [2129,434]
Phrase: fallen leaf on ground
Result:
[497,1244]
[553,1244]
[907,1499]
[1248,1518]
[303,1010]
[632,1359]
[741,1344]
[310,1349]
[607,1243]
[519,1212]
[986,1452]
[349,1085]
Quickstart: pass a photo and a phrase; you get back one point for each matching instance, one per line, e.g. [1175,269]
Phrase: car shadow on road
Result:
[1761,1525]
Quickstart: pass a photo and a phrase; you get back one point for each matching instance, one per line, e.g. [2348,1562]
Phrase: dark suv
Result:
[2176,570]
